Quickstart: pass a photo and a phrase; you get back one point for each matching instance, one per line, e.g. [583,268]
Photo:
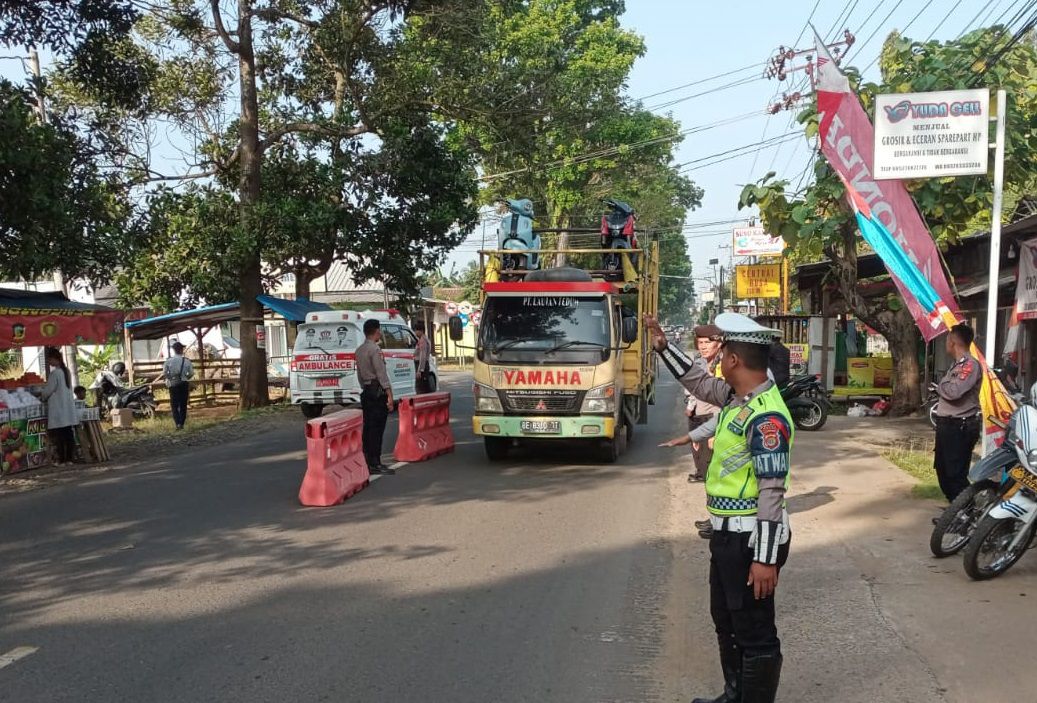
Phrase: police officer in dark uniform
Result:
[958,420]
[745,495]
[375,395]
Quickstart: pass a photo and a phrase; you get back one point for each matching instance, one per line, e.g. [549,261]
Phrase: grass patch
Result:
[915,457]
[199,420]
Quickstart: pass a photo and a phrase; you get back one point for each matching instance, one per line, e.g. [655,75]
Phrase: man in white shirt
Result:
[178,371]
[421,358]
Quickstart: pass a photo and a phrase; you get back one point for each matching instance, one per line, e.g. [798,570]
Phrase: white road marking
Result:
[16,654]
[397,466]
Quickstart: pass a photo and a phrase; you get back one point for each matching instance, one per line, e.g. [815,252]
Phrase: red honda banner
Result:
[848,142]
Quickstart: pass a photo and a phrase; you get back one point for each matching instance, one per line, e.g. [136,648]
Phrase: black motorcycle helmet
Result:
[118,368]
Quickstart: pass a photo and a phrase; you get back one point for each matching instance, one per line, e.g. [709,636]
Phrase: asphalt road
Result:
[199,578]
[547,578]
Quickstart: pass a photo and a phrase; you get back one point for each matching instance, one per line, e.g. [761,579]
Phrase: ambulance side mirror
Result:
[629,330]
[456,328]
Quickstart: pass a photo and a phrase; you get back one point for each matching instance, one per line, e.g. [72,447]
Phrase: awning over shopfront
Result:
[292,310]
[34,319]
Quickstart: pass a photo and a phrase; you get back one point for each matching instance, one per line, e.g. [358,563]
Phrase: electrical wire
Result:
[968,25]
[719,88]
[902,31]
[703,80]
[1030,24]
[877,30]
[945,18]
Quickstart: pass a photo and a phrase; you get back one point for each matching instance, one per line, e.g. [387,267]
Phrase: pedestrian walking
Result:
[422,356]
[745,495]
[178,371]
[958,419]
[62,414]
[375,395]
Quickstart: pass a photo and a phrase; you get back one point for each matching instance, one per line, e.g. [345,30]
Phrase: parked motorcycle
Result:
[113,394]
[807,401]
[990,482]
[617,233]
[515,235]
[1007,528]
[929,406]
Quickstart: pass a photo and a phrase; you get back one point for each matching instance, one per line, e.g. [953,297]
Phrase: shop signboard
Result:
[799,355]
[754,241]
[931,135]
[758,281]
[1026,284]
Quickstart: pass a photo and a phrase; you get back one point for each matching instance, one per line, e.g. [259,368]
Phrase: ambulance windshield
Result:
[528,328]
[331,337]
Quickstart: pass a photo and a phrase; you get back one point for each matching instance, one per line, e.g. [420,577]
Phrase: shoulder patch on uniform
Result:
[769,444]
[739,421]
[966,370]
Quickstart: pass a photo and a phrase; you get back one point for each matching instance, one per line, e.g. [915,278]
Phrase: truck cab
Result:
[561,355]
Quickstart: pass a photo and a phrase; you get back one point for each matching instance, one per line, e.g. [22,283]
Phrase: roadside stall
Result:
[33,319]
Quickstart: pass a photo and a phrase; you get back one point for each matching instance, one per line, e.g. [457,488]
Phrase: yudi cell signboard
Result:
[928,135]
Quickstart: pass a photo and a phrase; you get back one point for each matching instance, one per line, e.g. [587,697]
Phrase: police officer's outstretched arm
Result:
[692,374]
[769,439]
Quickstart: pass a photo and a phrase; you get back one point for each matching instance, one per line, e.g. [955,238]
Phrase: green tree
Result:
[319,92]
[817,221]
[60,212]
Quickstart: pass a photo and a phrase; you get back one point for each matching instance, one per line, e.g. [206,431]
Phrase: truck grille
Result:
[539,402]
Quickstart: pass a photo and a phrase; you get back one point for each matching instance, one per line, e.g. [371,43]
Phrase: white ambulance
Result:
[323,368]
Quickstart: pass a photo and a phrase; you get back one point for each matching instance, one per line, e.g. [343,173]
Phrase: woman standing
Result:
[62,415]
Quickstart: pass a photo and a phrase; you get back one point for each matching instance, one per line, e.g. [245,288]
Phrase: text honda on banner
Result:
[848,143]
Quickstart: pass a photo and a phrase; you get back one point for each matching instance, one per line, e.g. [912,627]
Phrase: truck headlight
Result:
[1032,457]
[486,399]
[600,400]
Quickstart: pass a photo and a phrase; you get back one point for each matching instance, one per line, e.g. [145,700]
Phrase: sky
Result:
[690,41]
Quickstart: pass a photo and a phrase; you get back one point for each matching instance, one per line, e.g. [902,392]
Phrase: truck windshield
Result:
[575,327]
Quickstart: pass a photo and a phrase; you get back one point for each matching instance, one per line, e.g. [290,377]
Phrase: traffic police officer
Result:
[958,419]
[375,395]
[745,495]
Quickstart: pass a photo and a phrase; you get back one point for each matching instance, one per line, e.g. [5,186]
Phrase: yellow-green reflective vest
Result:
[731,487]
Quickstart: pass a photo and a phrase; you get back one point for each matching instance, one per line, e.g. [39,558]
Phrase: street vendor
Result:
[62,414]
[746,483]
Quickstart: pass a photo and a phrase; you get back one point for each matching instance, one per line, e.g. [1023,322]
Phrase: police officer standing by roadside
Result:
[745,495]
[958,420]
[375,395]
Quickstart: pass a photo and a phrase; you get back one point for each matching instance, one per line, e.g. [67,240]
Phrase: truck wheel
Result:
[311,410]
[609,449]
[496,448]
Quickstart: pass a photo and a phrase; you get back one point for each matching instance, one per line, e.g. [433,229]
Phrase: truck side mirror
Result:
[456,328]
[629,330]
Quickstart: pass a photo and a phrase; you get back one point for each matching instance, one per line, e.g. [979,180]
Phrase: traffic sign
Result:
[465,308]
[464,319]
[451,308]
[475,317]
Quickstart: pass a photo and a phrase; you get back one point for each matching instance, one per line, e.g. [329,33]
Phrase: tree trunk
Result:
[254,389]
[903,335]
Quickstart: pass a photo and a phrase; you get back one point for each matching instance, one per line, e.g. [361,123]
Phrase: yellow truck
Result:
[562,353]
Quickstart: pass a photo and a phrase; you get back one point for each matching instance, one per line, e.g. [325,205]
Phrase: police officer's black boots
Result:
[731,663]
[760,676]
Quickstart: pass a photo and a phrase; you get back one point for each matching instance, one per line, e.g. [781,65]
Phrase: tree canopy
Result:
[818,223]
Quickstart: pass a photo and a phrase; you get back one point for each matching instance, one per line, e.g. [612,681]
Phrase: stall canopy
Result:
[164,326]
[34,319]
[292,310]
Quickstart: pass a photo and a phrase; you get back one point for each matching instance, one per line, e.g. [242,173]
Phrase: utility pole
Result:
[72,352]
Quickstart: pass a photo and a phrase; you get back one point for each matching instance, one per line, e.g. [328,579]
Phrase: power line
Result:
[904,30]
[703,80]
[972,21]
[719,88]
[877,30]
[616,149]
[715,161]
[1019,34]
[945,18]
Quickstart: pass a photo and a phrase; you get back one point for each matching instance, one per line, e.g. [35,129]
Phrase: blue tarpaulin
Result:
[293,310]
